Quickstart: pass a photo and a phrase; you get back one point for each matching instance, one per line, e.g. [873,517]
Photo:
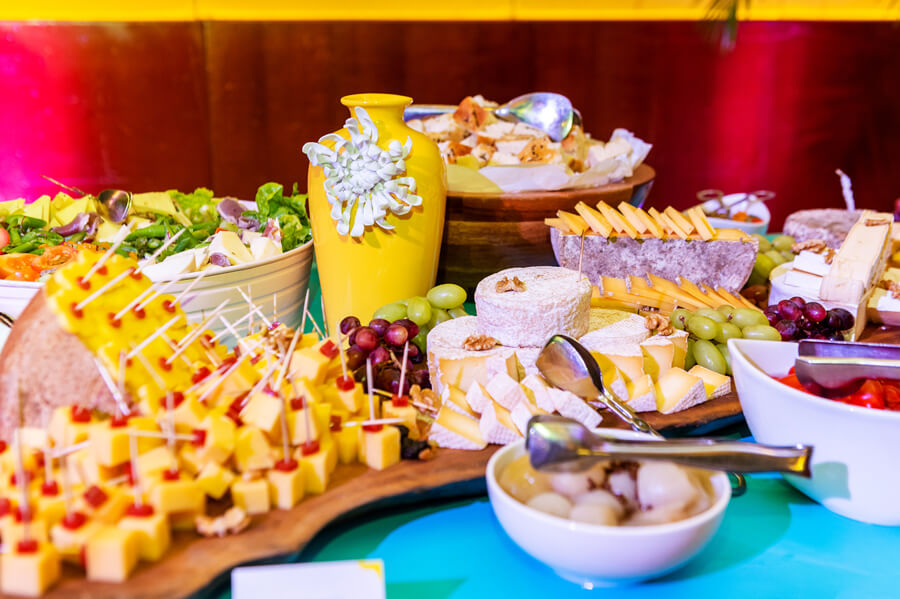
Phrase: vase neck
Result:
[386,108]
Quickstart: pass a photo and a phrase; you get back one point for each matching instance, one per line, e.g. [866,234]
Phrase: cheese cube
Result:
[264,412]
[659,355]
[103,503]
[109,444]
[29,574]
[285,487]
[347,444]
[677,390]
[153,534]
[50,508]
[188,460]
[154,461]
[304,388]
[252,496]
[629,361]
[187,415]
[219,441]
[145,424]
[13,531]
[70,541]
[111,554]
[317,467]
[184,521]
[454,431]
[353,399]
[380,449]
[505,391]
[214,480]
[715,384]
[642,394]
[64,431]
[303,426]
[309,362]
[251,450]
[182,495]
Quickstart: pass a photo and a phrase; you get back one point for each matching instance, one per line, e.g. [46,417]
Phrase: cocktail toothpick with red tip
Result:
[118,239]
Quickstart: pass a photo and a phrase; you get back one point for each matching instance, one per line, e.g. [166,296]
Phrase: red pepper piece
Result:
[80,414]
[50,489]
[399,401]
[286,465]
[145,510]
[298,403]
[310,447]
[329,349]
[345,383]
[74,520]
[373,428]
[27,546]
[95,496]
[171,474]
[199,437]
[335,425]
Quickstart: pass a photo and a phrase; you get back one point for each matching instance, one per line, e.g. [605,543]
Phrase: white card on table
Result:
[360,579]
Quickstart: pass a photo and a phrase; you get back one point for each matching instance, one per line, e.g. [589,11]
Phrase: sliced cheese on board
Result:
[505,390]
[615,326]
[812,262]
[642,394]
[449,363]
[477,397]
[677,390]
[522,413]
[572,406]
[496,425]
[716,384]
[597,221]
[659,356]
[455,399]
[538,391]
[554,301]
[454,431]
[628,359]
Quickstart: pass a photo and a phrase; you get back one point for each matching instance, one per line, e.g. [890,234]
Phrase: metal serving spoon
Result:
[115,204]
[563,445]
[550,112]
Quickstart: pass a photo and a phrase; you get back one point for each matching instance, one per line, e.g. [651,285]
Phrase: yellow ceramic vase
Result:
[361,273]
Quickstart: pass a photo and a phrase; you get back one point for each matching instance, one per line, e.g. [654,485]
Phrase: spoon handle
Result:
[711,454]
[626,414]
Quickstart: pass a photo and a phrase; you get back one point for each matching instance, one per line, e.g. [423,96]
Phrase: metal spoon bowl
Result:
[115,204]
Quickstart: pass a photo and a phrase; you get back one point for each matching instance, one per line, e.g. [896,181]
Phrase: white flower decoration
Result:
[358,172]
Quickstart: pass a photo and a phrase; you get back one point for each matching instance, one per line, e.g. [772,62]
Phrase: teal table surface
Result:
[773,542]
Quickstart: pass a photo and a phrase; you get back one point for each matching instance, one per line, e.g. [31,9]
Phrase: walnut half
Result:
[479,343]
[892,287]
[506,284]
[659,323]
[233,521]
[813,245]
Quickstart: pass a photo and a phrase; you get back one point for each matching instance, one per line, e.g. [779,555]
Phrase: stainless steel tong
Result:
[838,368]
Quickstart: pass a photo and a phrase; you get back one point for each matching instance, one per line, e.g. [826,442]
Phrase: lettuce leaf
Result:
[289,211]
[199,206]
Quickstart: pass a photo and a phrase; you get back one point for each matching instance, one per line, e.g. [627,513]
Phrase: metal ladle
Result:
[550,112]
[115,204]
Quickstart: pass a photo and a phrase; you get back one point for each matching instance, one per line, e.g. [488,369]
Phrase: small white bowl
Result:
[854,460]
[594,555]
[757,209]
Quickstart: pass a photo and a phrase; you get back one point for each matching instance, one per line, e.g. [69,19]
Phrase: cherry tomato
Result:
[870,395]
[4,237]
[892,395]
[18,267]
[54,256]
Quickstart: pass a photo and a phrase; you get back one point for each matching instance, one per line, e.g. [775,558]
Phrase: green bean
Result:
[23,248]
[30,222]
[125,250]
[154,243]
[76,237]
[150,231]
[39,251]
[14,237]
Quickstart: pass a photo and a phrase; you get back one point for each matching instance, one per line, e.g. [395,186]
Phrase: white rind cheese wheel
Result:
[614,327]
[555,301]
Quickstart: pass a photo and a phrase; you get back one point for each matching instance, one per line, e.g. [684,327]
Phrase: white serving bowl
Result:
[854,460]
[594,555]
[758,209]
[278,283]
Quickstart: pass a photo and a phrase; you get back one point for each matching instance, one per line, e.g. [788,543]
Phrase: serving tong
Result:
[838,368]
[724,210]
[557,443]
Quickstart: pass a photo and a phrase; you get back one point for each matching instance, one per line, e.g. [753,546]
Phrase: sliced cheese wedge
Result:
[630,214]
[616,220]
[679,219]
[455,399]
[680,340]
[642,394]
[652,226]
[716,384]
[628,360]
[538,391]
[455,431]
[701,225]
[597,221]
[677,390]
[505,391]
[659,356]
[522,413]
[572,406]
[477,397]
[496,425]
[574,222]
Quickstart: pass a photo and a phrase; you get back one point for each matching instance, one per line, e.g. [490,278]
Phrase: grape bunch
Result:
[440,304]
[797,319]
[382,342]
[711,329]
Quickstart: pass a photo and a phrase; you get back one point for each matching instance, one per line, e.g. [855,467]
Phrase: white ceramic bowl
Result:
[758,209]
[594,555]
[274,283]
[854,460]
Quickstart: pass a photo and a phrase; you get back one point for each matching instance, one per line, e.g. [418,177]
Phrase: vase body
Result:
[359,274]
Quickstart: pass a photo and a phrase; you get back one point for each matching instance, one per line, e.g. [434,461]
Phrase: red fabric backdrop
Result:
[228,105]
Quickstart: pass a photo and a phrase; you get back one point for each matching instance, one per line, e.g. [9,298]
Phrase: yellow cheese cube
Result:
[153,534]
[303,425]
[305,389]
[285,486]
[64,430]
[187,415]
[29,574]
[219,440]
[181,495]
[109,444]
[155,461]
[50,508]
[715,384]
[380,449]
[145,424]
[352,399]
[347,443]
[264,412]
[311,363]
[252,450]
[408,413]
[13,531]
[188,460]
[317,466]
[103,503]
[184,521]
[677,390]
[70,541]
[111,554]
[214,480]
[252,496]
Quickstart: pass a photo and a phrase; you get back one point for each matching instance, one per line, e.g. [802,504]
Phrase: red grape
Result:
[396,335]
[815,312]
[414,351]
[799,301]
[772,314]
[356,357]
[348,324]
[366,338]
[379,355]
[789,310]
[833,320]
[846,317]
[379,325]
[420,377]
[409,325]
[788,329]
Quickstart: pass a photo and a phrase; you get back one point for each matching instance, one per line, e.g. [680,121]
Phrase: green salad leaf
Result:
[289,211]
[199,206]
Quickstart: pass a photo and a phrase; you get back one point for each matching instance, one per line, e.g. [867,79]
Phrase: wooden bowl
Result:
[484,233]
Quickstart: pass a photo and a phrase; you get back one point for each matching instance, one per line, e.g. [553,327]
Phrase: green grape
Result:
[446,296]
[723,349]
[761,331]
[727,310]
[702,327]
[420,339]
[458,312]
[764,244]
[711,314]
[418,310]
[437,317]
[788,255]
[689,360]
[405,302]
[763,266]
[728,331]
[707,356]
[784,243]
[777,258]
[679,318]
[745,317]
[756,279]
[391,312]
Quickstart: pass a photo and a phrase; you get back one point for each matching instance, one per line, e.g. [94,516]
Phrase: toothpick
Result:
[24,508]
[64,186]
[288,356]
[274,308]
[48,464]
[174,347]
[307,410]
[170,434]
[193,335]
[155,435]
[261,383]
[69,450]
[153,336]
[846,189]
[150,370]
[285,442]
[370,383]
[383,393]
[302,328]
[152,258]
[120,379]
[135,475]
[119,238]
[223,377]
[236,323]
[190,286]
[403,367]
[343,358]
[324,319]
[156,293]
[316,325]
[134,302]
[252,305]
[121,404]
[64,468]
[111,283]
[373,421]
[228,327]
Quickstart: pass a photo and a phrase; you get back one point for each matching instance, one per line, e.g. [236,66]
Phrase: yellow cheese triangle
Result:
[597,221]
[557,223]
[631,216]
[574,222]
[652,226]
[701,225]
[616,220]
[679,219]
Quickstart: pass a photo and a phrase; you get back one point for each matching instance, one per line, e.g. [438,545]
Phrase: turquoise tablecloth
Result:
[774,542]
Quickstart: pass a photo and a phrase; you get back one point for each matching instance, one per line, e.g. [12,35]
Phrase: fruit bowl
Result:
[596,555]
[757,209]
[856,448]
